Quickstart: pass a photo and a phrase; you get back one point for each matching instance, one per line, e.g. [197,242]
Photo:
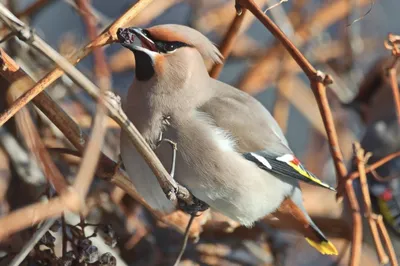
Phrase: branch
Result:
[387,241]
[227,43]
[108,169]
[318,81]
[393,44]
[88,166]
[360,158]
[252,81]
[375,165]
[108,36]
[19,258]
[171,189]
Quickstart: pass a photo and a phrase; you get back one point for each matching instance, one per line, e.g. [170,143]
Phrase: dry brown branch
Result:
[107,168]
[10,70]
[153,10]
[375,165]
[318,81]
[387,241]
[102,74]
[30,10]
[220,17]
[227,43]
[252,82]
[171,189]
[393,43]
[19,258]
[282,102]
[69,200]
[106,37]
[101,69]
[28,129]
[303,101]
[88,166]
[361,159]
[33,8]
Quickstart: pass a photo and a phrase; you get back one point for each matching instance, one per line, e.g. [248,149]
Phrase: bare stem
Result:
[227,43]
[359,154]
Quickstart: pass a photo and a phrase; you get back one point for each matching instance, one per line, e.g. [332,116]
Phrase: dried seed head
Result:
[107,259]
[109,235]
[56,226]
[47,239]
[84,243]
[90,254]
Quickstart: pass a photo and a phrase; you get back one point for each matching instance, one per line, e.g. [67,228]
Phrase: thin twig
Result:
[375,165]
[393,44]
[30,215]
[108,36]
[33,140]
[252,82]
[88,165]
[167,183]
[64,235]
[33,8]
[318,81]
[360,158]
[108,169]
[185,240]
[17,260]
[227,43]
[387,241]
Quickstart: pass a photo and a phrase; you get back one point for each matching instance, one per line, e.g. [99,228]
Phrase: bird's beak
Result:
[126,36]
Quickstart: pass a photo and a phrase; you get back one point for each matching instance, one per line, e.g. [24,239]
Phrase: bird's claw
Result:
[113,99]
[192,208]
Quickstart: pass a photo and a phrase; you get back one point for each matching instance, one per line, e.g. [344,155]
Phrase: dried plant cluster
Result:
[65,199]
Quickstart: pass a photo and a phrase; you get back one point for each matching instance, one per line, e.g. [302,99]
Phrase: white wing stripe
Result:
[261,160]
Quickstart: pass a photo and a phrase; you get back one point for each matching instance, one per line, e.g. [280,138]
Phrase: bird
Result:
[231,153]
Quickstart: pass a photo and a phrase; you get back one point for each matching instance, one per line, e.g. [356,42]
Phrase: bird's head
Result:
[169,50]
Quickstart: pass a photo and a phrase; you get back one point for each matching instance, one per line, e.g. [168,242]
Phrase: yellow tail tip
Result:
[326,248]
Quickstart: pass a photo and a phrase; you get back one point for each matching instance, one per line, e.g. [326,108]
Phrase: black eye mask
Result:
[168,47]
[164,46]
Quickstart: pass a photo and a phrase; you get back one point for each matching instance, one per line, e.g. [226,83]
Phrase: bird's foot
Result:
[113,99]
[192,206]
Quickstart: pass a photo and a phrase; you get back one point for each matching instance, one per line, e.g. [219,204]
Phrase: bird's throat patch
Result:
[144,66]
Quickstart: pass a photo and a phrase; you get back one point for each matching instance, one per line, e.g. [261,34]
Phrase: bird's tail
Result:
[295,216]
[318,241]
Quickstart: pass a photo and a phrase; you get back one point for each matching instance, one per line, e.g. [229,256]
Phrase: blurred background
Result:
[344,38]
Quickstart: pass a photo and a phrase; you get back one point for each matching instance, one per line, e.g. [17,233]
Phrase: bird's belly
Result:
[237,189]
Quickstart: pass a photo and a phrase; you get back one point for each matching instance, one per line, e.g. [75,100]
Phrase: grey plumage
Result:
[213,124]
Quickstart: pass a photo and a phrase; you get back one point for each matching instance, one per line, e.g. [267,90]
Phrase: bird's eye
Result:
[170,47]
[146,33]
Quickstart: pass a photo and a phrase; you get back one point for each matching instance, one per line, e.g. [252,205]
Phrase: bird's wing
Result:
[257,135]
[286,165]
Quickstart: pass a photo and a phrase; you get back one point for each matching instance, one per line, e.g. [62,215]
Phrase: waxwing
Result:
[231,153]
